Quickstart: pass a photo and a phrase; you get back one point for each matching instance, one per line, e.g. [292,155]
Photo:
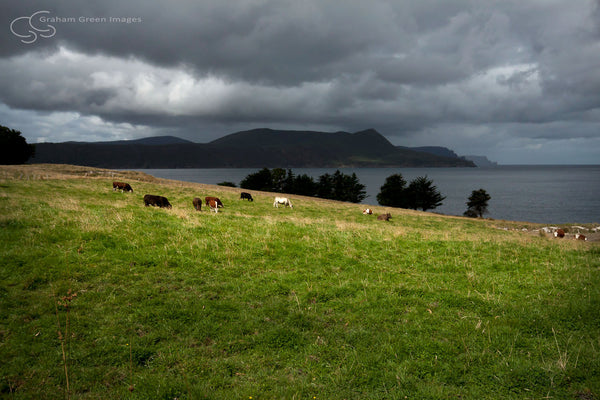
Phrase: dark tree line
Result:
[336,186]
[420,193]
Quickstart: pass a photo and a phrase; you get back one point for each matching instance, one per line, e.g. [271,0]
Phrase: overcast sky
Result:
[517,81]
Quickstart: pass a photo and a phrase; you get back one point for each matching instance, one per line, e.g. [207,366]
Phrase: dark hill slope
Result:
[437,150]
[154,141]
[368,141]
[247,149]
[149,141]
[366,148]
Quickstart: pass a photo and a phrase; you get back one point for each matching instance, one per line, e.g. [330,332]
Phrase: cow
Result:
[384,217]
[213,204]
[247,196]
[367,211]
[197,203]
[218,202]
[282,200]
[559,233]
[158,201]
[579,236]
[122,186]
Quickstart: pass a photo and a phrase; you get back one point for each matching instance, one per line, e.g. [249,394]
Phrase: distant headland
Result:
[255,148]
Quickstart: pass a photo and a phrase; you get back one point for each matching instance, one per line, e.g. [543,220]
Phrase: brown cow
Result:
[122,186]
[384,217]
[213,205]
[158,201]
[218,202]
[579,236]
[197,203]
[559,233]
[367,211]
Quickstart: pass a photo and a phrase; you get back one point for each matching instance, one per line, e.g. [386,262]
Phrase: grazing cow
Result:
[559,233]
[247,196]
[218,202]
[367,211]
[384,217]
[122,186]
[213,205]
[282,200]
[579,236]
[158,201]
[197,203]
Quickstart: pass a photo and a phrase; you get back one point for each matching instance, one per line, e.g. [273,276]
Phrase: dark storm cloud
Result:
[454,72]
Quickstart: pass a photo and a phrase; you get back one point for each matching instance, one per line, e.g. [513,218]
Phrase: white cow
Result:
[282,200]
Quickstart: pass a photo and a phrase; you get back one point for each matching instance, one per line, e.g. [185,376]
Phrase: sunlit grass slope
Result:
[103,298]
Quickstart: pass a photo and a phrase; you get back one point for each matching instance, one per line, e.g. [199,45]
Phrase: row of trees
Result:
[336,186]
[420,193]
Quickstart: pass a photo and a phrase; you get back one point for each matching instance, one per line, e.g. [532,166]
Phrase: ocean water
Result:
[535,193]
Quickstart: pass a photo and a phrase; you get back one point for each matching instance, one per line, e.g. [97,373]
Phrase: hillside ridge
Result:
[262,147]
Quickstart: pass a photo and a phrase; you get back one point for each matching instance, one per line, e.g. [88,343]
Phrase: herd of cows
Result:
[214,203]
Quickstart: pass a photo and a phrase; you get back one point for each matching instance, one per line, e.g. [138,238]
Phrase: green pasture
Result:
[103,298]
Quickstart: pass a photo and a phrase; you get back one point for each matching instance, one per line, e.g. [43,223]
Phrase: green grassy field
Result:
[103,298]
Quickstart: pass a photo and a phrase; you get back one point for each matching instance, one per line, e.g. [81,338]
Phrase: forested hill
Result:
[247,149]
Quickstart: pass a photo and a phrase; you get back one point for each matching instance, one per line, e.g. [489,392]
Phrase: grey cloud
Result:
[409,69]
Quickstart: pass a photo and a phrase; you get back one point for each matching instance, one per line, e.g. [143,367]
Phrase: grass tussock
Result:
[318,301]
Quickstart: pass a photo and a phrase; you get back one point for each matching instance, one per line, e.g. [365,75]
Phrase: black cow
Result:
[247,196]
[158,201]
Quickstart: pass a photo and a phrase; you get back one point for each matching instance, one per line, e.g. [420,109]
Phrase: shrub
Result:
[477,204]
